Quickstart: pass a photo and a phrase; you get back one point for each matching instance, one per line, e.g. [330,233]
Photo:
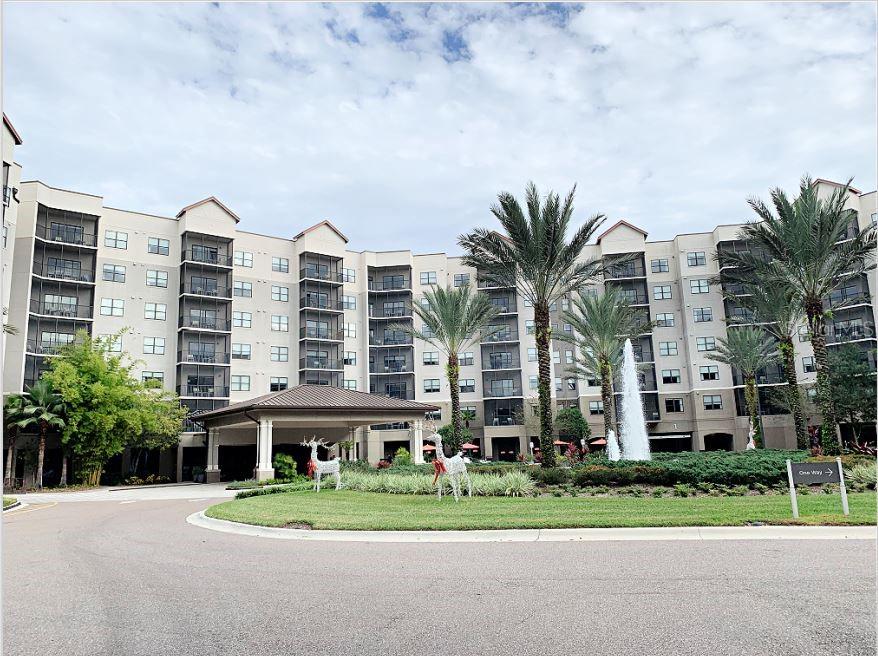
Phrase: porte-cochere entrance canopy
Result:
[292,415]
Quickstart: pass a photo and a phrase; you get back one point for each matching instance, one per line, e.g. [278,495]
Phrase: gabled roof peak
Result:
[326,223]
[619,223]
[210,199]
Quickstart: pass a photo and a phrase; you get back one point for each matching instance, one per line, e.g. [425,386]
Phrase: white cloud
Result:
[401,123]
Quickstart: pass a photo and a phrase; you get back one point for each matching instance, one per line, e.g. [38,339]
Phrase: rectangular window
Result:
[156,278]
[468,385]
[153,375]
[280,323]
[699,286]
[703,315]
[670,376]
[431,385]
[240,383]
[533,382]
[529,327]
[279,293]
[531,355]
[112,307]
[567,328]
[114,273]
[659,266]
[350,329]
[349,302]
[661,292]
[154,345]
[114,342]
[709,372]
[696,258]
[461,279]
[428,277]
[349,383]
[556,357]
[667,348]
[465,359]
[350,358]
[705,343]
[158,246]
[280,354]
[116,239]
[156,311]
[664,319]
[596,407]
[568,357]
[673,405]
[808,364]
[240,351]
[431,357]
[244,289]
[713,402]
[278,383]
[348,275]
[427,331]
[243,259]
[280,264]
[242,319]
[804,335]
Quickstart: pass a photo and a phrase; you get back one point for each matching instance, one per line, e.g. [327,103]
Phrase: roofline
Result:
[208,200]
[67,191]
[837,184]
[12,129]
[236,409]
[328,224]
[616,225]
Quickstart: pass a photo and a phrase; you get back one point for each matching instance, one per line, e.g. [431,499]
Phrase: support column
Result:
[352,438]
[212,472]
[179,476]
[373,445]
[418,439]
[264,443]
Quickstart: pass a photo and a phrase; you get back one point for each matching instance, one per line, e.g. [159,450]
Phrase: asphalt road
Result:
[133,578]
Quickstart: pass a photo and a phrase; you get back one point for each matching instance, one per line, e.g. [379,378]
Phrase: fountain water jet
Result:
[612,447]
[635,441]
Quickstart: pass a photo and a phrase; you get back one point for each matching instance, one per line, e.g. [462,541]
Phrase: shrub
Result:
[275,489]
[402,457]
[285,465]
[683,490]
[355,465]
[738,491]
[557,493]
[383,464]
[760,487]
[550,476]
[863,475]
[658,492]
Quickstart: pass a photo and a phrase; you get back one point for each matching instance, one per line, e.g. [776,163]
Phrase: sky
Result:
[401,123]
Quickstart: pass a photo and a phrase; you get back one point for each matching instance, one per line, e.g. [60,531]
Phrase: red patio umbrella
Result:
[560,443]
[469,446]
[599,442]
[429,447]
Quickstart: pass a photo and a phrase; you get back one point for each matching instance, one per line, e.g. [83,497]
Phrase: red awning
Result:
[469,446]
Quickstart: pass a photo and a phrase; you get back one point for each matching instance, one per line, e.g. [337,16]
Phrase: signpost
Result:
[814,473]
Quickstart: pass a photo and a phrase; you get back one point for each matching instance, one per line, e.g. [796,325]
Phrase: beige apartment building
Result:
[221,315]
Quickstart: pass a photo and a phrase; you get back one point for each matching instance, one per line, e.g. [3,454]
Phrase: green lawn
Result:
[8,501]
[369,511]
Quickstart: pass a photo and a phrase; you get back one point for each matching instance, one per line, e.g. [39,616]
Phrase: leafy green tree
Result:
[43,408]
[569,421]
[853,387]
[748,349]
[13,411]
[108,409]
[804,244]
[534,255]
[452,317]
[447,433]
[601,325]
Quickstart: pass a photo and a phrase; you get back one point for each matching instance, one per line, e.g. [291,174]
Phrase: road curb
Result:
[17,504]
[697,533]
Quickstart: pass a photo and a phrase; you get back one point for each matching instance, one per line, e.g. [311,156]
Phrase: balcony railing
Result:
[187,357]
[501,420]
[192,426]
[63,310]
[500,336]
[390,341]
[493,390]
[627,270]
[481,283]
[202,391]
[634,299]
[207,257]
[321,333]
[204,323]
[62,273]
[505,306]
[494,363]
[67,235]
[848,298]
[205,290]
[320,363]
[43,348]
[317,303]
[390,368]
[321,274]
[406,395]
[375,286]
[390,313]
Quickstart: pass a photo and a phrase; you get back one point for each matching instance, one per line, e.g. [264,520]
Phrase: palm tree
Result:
[748,349]
[452,318]
[43,408]
[535,256]
[777,309]
[13,407]
[804,244]
[601,325]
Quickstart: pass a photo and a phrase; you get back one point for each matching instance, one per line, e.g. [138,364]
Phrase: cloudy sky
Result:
[401,122]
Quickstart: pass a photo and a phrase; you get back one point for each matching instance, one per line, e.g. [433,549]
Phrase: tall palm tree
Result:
[804,243]
[44,408]
[535,256]
[748,349]
[452,318]
[13,409]
[601,325]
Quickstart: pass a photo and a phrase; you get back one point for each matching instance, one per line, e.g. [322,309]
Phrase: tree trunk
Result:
[41,456]
[794,397]
[63,469]
[453,373]
[751,397]
[816,325]
[608,399]
[543,329]
[10,457]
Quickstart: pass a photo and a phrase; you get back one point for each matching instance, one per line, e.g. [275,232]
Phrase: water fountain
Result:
[635,441]
[612,447]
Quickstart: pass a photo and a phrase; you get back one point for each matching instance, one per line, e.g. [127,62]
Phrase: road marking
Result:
[31,508]
[121,502]
[203,499]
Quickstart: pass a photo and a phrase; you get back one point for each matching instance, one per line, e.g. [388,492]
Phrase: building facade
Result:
[220,315]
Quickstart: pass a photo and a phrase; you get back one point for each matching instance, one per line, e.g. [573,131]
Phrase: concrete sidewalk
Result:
[157,493]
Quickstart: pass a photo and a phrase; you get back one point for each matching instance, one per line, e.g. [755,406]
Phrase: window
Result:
[673,405]
[349,302]
[808,364]
[465,359]
[278,383]
[595,407]
[558,385]
[433,415]
[699,286]
[280,264]
[114,273]
[709,372]
[427,331]
[568,357]
[154,345]
[116,239]
[279,293]
[556,357]
[431,385]
[527,303]
[703,315]
[156,311]
[804,335]
[428,277]
[567,328]
[468,385]
[350,329]
[240,383]
[156,278]
[531,355]
[874,218]
[242,288]
[533,382]
[280,323]
[348,275]
[664,319]
[5,234]
[529,327]
[565,304]
[667,348]
[112,307]
[280,354]
[158,246]
[461,279]
[242,319]
[661,292]
[705,343]
[349,383]
[431,357]
[713,402]
[659,266]
[243,259]
[240,351]
[153,375]
[696,258]
[670,376]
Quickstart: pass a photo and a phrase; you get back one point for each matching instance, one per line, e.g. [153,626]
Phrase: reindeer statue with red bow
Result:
[454,468]
[319,468]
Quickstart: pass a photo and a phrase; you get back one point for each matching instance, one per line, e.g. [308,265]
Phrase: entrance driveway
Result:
[147,493]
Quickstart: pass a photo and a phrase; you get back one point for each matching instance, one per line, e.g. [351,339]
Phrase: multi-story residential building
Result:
[221,315]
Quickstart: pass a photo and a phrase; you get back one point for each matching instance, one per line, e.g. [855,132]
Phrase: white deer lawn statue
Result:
[454,469]
[319,468]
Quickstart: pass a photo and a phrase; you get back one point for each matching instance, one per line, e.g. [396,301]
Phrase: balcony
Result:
[321,333]
[206,256]
[494,390]
[481,283]
[324,275]
[206,290]
[634,298]
[192,426]
[320,363]
[624,271]
[405,394]
[205,323]
[505,306]
[63,273]
[507,335]
[847,298]
[390,367]
[187,357]
[310,302]
[63,310]
[43,348]
[393,312]
[498,362]
[389,286]
[66,234]
[404,340]
[202,391]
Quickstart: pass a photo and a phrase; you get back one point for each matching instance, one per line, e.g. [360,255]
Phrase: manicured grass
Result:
[8,501]
[369,511]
